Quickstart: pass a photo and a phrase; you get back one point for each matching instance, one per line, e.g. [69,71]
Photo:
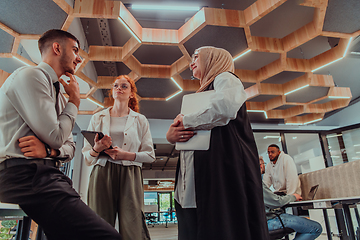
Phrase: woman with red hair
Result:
[116,184]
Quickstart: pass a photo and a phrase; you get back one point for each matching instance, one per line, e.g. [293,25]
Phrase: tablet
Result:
[193,103]
[90,136]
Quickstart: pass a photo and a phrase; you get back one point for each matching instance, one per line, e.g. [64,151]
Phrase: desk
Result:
[151,216]
[9,211]
[334,203]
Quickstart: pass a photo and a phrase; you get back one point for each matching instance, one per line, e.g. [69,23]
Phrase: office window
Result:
[345,146]
[263,140]
[150,198]
[336,148]
[351,140]
[306,151]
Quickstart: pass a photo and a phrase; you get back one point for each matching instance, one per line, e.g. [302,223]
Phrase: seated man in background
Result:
[305,229]
[281,172]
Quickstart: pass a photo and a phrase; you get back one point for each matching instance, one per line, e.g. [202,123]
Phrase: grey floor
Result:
[160,232]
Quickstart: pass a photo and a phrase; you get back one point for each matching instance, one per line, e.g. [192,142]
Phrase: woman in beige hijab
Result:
[218,193]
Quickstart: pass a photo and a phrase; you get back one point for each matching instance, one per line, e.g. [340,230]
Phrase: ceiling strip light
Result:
[266,137]
[160,7]
[339,97]
[176,83]
[327,64]
[331,136]
[129,29]
[21,61]
[296,89]
[290,123]
[259,111]
[173,95]
[316,120]
[100,105]
[236,58]
[347,47]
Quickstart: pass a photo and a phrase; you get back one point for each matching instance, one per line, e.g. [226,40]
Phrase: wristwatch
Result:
[48,150]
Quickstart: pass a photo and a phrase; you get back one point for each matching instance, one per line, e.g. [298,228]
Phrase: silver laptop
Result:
[312,192]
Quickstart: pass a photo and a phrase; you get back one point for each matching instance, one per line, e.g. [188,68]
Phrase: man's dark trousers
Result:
[46,195]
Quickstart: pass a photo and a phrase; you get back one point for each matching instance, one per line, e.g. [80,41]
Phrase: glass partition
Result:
[336,148]
[351,139]
[306,151]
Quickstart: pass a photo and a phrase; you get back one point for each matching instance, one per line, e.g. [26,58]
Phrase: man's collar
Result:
[49,70]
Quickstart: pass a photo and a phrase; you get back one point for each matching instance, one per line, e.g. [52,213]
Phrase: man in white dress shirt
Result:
[35,135]
[281,172]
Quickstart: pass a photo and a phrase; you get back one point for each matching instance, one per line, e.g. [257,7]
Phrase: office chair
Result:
[281,233]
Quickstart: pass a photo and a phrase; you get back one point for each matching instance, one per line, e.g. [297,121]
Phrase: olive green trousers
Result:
[118,190]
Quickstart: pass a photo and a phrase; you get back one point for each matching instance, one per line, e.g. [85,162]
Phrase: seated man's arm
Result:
[272,200]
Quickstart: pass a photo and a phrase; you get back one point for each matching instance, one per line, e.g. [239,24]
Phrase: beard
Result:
[275,158]
[67,64]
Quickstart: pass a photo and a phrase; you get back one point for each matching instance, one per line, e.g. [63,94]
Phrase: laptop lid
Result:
[312,192]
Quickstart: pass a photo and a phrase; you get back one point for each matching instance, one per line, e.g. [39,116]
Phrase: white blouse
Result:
[228,98]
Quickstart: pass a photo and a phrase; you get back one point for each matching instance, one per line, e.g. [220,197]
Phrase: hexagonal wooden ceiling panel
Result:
[278,46]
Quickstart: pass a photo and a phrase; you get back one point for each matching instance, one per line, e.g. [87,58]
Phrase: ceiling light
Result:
[21,61]
[355,53]
[99,104]
[236,58]
[339,97]
[335,156]
[161,7]
[258,111]
[173,95]
[290,123]
[316,120]
[176,84]
[266,137]
[129,29]
[297,89]
[357,145]
[355,158]
[327,64]
[294,137]
[347,47]
[336,135]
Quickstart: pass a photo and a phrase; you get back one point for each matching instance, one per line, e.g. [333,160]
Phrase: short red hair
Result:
[133,102]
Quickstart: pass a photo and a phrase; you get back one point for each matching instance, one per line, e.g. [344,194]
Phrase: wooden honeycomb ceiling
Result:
[266,95]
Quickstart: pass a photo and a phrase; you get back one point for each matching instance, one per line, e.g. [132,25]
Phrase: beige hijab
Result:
[213,61]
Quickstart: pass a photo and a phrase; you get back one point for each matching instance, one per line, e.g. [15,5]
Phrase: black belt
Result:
[12,162]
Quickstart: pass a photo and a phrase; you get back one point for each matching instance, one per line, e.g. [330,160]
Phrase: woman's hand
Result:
[119,154]
[103,143]
[177,131]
